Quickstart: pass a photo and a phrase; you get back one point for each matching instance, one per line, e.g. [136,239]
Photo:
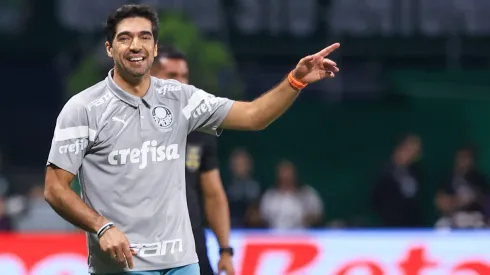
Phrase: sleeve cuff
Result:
[62,166]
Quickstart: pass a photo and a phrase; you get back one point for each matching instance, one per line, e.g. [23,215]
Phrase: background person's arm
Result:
[215,201]
[214,195]
[216,206]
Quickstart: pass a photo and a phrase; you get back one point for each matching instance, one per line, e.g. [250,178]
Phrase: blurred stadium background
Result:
[388,159]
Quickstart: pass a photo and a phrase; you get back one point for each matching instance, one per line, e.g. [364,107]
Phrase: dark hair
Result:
[240,151]
[468,148]
[171,52]
[405,138]
[130,11]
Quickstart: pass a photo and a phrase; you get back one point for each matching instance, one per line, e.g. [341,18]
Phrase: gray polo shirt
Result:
[129,153]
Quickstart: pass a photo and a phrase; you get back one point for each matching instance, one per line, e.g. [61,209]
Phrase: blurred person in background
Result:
[396,193]
[203,181]
[6,223]
[5,220]
[243,191]
[4,184]
[291,204]
[462,196]
[39,216]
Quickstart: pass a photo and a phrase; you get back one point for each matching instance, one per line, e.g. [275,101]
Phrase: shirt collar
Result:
[127,97]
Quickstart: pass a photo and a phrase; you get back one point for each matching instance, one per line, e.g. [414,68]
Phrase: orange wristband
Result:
[298,85]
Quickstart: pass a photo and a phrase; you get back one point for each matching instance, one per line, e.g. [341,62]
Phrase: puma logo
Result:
[116,119]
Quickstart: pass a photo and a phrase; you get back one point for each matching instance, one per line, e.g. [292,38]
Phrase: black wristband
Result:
[104,228]
[227,250]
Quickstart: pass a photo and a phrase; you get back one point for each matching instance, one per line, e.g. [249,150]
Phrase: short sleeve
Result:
[312,201]
[267,205]
[205,111]
[72,137]
[209,157]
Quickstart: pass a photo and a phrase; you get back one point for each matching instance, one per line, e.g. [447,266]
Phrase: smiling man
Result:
[131,162]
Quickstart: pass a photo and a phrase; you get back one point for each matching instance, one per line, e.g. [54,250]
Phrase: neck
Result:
[241,177]
[461,171]
[137,86]
[399,160]
[287,190]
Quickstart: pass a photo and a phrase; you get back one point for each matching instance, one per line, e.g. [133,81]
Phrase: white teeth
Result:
[136,59]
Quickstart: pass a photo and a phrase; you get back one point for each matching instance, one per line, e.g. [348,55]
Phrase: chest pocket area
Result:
[163,117]
[165,121]
[116,124]
[193,158]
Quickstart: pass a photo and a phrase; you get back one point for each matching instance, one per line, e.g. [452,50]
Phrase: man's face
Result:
[413,149]
[134,47]
[410,151]
[286,176]
[240,165]
[170,68]
[464,160]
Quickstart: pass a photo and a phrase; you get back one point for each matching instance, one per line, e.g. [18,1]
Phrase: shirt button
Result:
[142,117]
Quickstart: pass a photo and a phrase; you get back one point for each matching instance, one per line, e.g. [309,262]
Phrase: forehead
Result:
[134,24]
[411,141]
[464,153]
[240,156]
[173,64]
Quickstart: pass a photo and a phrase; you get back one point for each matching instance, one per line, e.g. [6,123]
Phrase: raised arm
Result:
[261,112]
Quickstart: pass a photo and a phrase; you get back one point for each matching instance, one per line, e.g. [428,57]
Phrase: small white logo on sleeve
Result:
[158,249]
[206,106]
[199,103]
[149,152]
[74,148]
[168,88]
[162,116]
[100,101]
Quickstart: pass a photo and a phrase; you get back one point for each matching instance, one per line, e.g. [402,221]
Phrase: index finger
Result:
[328,50]
[129,256]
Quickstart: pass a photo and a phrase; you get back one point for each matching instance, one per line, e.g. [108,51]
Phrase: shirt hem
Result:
[93,271]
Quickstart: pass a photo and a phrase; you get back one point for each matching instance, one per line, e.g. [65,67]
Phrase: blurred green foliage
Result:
[212,64]
[85,75]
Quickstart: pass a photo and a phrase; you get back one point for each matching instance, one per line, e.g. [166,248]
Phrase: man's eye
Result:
[146,37]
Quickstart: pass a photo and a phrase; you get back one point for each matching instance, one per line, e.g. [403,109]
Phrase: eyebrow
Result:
[129,33]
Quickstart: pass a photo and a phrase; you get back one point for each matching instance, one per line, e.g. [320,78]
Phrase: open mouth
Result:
[136,60]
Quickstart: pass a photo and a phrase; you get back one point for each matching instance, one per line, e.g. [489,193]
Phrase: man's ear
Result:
[155,51]
[108,49]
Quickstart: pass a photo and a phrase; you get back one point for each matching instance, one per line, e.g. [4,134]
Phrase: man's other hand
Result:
[225,265]
[115,243]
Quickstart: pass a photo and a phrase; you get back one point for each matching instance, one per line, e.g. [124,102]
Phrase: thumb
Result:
[306,59]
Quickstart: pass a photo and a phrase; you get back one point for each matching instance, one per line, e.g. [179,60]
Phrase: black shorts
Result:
[202,252]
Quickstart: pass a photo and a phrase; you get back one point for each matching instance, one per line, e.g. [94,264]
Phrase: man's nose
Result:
[135,45]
